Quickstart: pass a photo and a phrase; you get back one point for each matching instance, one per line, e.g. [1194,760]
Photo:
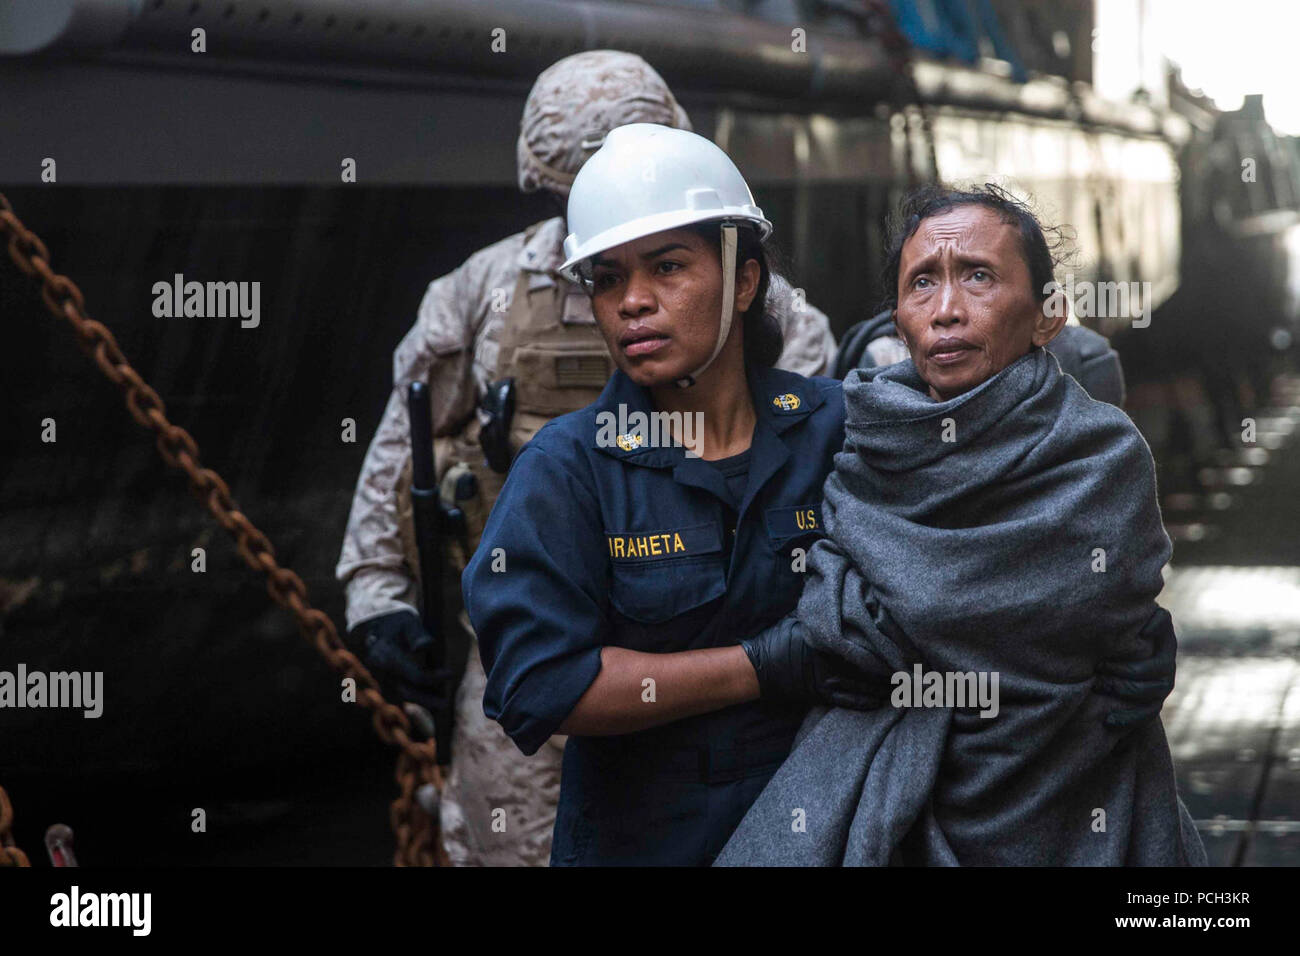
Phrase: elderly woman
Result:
[993,535]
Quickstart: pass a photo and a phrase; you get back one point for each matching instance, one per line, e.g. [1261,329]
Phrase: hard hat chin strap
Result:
[728,301]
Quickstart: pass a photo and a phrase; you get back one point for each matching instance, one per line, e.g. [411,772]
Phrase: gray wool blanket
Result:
[1013,533]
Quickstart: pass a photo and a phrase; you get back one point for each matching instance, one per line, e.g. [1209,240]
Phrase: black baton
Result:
[432,522]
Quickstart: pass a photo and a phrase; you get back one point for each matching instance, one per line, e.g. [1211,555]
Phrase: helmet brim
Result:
[648,226]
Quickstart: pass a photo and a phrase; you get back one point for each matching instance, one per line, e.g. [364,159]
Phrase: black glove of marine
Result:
[791,669]
[1145,683]
[395,649]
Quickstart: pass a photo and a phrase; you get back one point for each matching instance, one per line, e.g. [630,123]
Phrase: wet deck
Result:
[1233,720]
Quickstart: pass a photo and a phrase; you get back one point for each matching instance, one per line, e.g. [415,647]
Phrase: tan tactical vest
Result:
[551,346]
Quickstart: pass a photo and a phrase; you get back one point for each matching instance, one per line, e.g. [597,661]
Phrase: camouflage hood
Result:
[579,99]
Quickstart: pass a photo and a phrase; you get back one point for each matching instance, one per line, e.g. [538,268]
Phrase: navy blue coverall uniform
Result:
[596,543]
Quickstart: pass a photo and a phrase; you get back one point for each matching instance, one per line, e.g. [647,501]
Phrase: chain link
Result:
[416,832]
[10,855]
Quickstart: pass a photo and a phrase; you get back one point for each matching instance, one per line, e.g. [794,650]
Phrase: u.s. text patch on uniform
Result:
[788,522]
[668,543]
[787,402]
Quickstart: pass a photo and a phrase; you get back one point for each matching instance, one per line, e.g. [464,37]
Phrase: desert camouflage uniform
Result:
[506,311]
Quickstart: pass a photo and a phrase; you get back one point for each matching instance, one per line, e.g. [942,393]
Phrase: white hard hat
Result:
[646,179]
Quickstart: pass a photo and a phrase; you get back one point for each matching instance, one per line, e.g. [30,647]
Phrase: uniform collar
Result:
[782,400]
[544,251]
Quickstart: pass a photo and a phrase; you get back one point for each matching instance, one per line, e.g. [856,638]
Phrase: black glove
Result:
[791,669]
[1145,683]
[395,648]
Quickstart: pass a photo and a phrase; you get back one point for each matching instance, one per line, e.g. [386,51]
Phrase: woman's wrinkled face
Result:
[966,305]
[658,303]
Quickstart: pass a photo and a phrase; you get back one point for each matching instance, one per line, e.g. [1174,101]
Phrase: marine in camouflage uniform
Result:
[507,313]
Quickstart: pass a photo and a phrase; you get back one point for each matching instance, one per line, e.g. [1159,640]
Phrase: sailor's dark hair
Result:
[1044,247]
[764,338]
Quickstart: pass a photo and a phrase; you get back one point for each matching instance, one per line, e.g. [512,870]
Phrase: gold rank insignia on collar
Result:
[629,442]
[787,402]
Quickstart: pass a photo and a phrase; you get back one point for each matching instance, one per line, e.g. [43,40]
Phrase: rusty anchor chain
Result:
[416,831]
[10,855]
